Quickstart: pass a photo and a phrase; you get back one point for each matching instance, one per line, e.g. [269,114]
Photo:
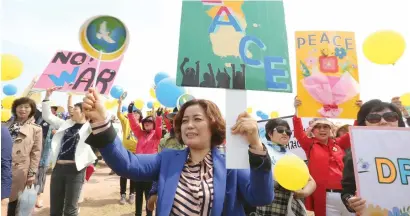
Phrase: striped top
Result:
[195,189]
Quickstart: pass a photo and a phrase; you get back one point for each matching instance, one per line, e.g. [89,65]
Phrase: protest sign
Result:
[327,74]
[75,72]
[381,158]
[231,44]
[234,44]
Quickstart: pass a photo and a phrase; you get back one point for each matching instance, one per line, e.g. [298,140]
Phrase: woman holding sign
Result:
[193,181]
[373,113]
[278,134]
[325,154]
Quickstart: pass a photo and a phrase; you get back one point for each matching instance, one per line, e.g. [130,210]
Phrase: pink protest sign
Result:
[75,71]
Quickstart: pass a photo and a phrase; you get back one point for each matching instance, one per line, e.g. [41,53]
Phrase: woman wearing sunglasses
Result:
[373,113]
[278,134]
[325,154]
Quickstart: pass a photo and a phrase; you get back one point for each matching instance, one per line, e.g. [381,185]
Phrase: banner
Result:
[327,74]
[293,145]
[75,72]
[234,44]
[381,158]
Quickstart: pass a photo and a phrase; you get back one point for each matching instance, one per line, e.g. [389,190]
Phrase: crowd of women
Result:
[180,169]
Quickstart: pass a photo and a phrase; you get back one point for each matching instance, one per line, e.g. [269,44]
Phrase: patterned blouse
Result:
[14,130]
[195,189]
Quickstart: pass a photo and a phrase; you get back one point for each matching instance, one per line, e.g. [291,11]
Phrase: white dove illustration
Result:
[104,34]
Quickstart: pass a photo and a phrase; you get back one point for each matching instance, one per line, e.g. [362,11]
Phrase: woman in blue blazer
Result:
[193,181]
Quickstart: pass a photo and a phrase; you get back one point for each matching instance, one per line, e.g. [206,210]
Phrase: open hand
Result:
[50,91]
[93,106]
[248,128]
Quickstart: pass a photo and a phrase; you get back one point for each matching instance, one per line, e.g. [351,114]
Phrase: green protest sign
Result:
[234,45]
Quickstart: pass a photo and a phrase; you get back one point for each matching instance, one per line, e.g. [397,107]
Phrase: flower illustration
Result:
[340,52]
[376,211]
[396,212]
[363,166]
[311,61]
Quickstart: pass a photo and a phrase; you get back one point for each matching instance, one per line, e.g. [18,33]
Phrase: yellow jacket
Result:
[129,141]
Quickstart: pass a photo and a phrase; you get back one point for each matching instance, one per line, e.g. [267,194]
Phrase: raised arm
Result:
[144,167]
[70,106]
[182,66]
[46,113]
[304,141]
[141,167]
[167,122]
[344,141]
[197,73]
[158,124]
[211,71]
[134,123]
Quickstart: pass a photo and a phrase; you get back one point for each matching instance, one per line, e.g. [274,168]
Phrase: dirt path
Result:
[101,196]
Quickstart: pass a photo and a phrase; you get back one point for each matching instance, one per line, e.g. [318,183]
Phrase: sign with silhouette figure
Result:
[234,44]
[75,72]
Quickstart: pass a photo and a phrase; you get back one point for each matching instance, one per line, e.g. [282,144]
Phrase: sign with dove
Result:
[104,37]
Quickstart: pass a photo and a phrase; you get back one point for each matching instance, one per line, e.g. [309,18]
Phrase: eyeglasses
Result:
[322,126]
[282,130]
[374,118]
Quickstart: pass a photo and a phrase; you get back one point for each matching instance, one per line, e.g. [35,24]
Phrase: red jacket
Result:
[319,157]
[147,142]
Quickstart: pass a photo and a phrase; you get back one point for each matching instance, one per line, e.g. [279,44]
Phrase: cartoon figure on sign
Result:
[238,77]
[190,75]
[209,78]
[224,80]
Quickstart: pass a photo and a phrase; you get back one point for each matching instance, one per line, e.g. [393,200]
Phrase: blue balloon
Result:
[159,77]
[259,113]
[149,105]
[168,92]
[124,109]
[9,89]
[116,92]
[264,117]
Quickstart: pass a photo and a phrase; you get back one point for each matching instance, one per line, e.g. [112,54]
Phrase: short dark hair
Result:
[24,100]
[79,105]
[216,121]
[377,105]
[272,124]
[55,108]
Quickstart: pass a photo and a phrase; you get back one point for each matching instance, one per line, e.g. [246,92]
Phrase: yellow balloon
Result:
[5,115]
[7,102]
[274,114]
[110,104]
[152,93]
[249,110]
[156,104]
[11,67]
[405,99]
[291,172]
[384,47]
[139,104]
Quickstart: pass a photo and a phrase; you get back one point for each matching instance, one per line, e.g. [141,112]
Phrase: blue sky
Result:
[34,30]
